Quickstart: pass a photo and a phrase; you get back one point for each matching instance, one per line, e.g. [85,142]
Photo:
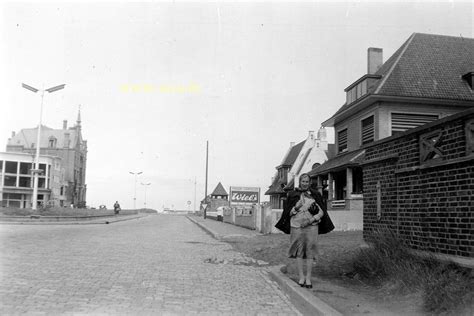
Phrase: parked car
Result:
[102,207]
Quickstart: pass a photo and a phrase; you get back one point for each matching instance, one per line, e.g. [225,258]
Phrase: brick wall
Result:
[422,184]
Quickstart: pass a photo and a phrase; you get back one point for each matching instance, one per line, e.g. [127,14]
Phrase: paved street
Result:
[156,265]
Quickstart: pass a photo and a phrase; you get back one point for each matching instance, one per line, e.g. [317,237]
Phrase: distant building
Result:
[70,149]
[300,158]
[219,193]
[315,151]
[16,181]
[217,199]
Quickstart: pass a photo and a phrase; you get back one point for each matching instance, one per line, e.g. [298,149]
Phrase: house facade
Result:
[299,159]
[426,79]
[66,144]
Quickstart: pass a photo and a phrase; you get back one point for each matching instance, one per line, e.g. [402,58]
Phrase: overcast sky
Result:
[156,80]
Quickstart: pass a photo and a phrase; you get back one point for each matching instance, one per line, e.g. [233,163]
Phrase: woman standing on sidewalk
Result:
[305,217]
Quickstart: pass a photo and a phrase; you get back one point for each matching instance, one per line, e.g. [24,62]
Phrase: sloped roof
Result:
[278,184]
[293,154]
[276,187]
[352,158]
[431,66]
[219,190]
[427,66]
[303,160]
[27,136]
[290,185]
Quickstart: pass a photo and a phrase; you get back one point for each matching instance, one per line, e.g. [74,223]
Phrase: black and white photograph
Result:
[301,157]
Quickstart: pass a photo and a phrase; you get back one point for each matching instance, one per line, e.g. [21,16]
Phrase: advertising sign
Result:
[244,195]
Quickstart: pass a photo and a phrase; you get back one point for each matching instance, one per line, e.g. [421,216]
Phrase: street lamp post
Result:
[36,171]
[136,174]
[194,194]
[146,186]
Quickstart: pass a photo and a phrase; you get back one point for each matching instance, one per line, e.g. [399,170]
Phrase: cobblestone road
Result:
[161,265]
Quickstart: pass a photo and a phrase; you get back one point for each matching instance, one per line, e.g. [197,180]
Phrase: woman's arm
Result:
[319,215]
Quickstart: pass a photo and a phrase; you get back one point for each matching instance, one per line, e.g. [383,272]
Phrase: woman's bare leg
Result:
[309,270]
[299,263]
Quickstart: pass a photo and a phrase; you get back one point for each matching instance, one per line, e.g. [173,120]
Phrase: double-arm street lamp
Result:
[146,186]
[36,171]
[136,174]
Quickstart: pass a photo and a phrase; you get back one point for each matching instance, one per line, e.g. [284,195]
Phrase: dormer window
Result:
[52,142]
[469,78]
[360,88]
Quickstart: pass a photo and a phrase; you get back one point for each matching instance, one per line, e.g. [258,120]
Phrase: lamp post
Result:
[194,194]
[136,174]
[146,186]
[36,171]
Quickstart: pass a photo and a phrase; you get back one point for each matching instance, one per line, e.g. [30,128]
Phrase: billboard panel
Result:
[244,195]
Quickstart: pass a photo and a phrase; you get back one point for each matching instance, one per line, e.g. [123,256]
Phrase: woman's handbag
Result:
[325,225]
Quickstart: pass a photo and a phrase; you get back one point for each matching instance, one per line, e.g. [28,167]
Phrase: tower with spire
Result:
[67,144]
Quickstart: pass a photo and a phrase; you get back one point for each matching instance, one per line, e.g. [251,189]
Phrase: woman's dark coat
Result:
[325,226]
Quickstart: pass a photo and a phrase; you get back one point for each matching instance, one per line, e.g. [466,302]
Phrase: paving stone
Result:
[160,264]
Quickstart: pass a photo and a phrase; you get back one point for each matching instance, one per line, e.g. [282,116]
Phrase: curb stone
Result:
[309,303]
[108,220]
[206,229]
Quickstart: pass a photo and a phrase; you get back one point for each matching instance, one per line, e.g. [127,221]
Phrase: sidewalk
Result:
[221,230]
[67,220]
[308,303]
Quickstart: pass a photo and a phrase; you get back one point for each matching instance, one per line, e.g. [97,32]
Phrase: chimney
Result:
[374,60]
[292,144]
[322,134]
[64,124]
[66,140]
[13,134]
[311,134]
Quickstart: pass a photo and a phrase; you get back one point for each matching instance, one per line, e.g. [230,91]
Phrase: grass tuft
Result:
[389,263]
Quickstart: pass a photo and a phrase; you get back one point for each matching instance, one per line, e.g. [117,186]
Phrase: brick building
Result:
[420,184]
[426,79]
[66,144]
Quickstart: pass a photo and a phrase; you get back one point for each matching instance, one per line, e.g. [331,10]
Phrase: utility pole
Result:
[194,194]
[146,185]
[207,158]
[135,174]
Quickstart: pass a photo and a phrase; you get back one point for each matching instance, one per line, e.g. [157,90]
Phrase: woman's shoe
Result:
[301,284]
[308,286]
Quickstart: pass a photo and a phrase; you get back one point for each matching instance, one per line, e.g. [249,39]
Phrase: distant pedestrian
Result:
[304,217]
[116,207]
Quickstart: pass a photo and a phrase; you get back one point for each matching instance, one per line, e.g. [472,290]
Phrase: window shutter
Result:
[342,140]
[368,130]
[403,121]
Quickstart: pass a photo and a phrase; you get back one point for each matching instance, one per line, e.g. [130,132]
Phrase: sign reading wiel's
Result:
[244,195]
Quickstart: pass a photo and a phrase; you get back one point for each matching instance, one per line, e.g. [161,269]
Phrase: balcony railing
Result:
[338,204]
